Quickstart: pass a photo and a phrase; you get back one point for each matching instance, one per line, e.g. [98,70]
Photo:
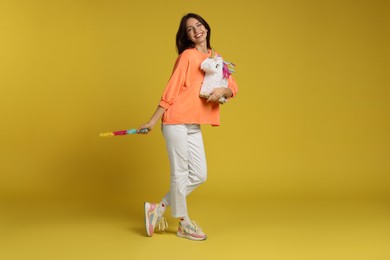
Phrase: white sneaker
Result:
[152,219]
[191,230]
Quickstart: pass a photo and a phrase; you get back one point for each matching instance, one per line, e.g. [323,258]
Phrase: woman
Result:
[183,112]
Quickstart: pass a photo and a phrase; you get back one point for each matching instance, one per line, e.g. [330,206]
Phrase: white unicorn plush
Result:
[217,75]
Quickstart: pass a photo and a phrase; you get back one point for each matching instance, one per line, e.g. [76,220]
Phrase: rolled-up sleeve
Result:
[232,84]
[175,83]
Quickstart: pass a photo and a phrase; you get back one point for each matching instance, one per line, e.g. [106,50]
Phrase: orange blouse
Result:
[181,95]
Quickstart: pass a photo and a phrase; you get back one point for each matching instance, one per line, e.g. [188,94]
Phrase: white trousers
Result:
[187,164]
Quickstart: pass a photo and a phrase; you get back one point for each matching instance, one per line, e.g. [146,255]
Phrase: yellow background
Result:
[309,126]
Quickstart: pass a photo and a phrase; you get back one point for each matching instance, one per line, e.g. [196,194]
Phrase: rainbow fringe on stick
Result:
[122,132]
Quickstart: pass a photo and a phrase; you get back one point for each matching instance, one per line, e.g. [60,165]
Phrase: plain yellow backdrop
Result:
[310,122]
[311,117]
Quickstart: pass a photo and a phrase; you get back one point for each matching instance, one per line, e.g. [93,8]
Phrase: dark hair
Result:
[182,41]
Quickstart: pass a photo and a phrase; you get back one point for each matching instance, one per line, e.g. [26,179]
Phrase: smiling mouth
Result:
[198,35]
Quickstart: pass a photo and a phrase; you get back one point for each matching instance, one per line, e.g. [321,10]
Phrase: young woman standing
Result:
[183,112]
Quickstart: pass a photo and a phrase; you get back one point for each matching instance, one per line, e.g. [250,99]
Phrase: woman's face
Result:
[196,31]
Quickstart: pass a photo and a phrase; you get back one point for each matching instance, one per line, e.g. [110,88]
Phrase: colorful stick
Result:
[122,132]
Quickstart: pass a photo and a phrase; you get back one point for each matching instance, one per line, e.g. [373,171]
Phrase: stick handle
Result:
[123,132]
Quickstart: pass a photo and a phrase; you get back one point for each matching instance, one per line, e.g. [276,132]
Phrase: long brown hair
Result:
[182,41]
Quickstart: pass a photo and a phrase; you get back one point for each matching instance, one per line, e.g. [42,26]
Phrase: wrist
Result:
[151,124]
[227,93]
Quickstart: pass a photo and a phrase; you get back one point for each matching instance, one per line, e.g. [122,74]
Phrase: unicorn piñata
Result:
[217,74]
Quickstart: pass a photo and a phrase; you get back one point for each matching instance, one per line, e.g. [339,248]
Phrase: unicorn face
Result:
[212,65]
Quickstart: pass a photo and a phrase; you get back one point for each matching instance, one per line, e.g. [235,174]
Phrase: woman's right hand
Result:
[147,126]
[153,120]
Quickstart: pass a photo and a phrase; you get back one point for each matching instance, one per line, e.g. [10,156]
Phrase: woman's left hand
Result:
[216,94]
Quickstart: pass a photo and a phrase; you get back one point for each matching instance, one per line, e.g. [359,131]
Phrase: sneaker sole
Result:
[190,237]
[146,218]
